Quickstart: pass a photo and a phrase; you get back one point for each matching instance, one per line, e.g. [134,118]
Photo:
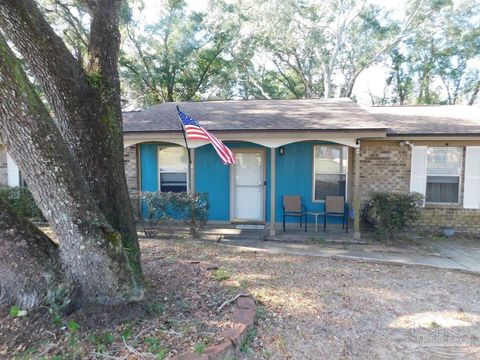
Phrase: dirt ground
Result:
[179,314]
[309,308]
[318,308]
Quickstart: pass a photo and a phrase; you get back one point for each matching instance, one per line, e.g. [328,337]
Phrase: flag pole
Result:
[185,138]
[188,152]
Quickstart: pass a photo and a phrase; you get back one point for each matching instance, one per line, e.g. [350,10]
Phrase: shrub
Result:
[150,209]
[155,208]
[392,212]
[199,348]
[21,201]
[222,274]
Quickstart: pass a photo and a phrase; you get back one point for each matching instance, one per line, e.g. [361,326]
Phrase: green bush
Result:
[156,208]
[392,212]
[21,201]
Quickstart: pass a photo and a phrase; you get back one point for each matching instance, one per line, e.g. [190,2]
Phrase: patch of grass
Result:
[261,313]
[199,348]
[28,354]
[15,311]
[170,259]
[184,305]
[243,283]
[251,335]
[73,326]
[222,274]
[102,341]
[267,354]
[156,348]
[156,308]
[127,333]
[57,318]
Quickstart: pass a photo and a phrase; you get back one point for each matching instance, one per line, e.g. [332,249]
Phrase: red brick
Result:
[244,316]
[222,351]
[236,334]
[192,356]
[246,302]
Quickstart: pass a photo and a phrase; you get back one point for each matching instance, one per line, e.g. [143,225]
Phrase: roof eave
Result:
[466,135]
[262,130]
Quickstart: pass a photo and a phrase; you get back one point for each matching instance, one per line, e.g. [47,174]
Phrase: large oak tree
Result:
[70,151]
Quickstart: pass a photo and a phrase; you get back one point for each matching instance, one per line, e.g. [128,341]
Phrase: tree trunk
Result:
[86,105]
[351,84]
[329,68]
[474,94]
[30,263]
[90,250]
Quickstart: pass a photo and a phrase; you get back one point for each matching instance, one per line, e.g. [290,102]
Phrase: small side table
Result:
[316,214]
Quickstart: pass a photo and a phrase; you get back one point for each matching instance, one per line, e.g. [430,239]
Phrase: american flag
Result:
[194,131]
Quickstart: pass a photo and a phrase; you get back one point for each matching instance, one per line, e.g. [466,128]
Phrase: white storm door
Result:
[248,186]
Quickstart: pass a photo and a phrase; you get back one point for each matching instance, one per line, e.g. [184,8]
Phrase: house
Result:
[312,148]
[9,174]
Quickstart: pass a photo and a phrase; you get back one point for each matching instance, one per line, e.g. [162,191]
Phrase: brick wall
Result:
[3,165]
[130,159]
[385,166]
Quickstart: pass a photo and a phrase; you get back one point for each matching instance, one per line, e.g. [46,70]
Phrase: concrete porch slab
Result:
[293,233]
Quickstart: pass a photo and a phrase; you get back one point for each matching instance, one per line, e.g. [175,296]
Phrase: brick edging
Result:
[244,312]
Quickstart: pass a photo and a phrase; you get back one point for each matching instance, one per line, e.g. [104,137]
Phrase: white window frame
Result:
[457,176]
[314,170]
[159,182]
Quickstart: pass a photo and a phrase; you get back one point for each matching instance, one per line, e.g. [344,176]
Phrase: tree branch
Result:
[474,95]
[63,81]
[91,5]
[76,25]
[103,51]
[289,84]
[385,48]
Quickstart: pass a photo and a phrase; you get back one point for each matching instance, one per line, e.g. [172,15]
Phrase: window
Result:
[172,167]
[444,168]
[330,171]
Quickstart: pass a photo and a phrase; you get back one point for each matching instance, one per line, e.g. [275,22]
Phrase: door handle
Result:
[265,183]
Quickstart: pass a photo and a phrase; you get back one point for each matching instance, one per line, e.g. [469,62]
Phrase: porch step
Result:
[244,235]
[212,233]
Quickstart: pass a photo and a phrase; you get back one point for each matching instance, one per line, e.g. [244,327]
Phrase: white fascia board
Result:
[272,139]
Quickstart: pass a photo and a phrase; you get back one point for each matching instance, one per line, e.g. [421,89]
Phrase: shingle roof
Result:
[429,119]
[309,114]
